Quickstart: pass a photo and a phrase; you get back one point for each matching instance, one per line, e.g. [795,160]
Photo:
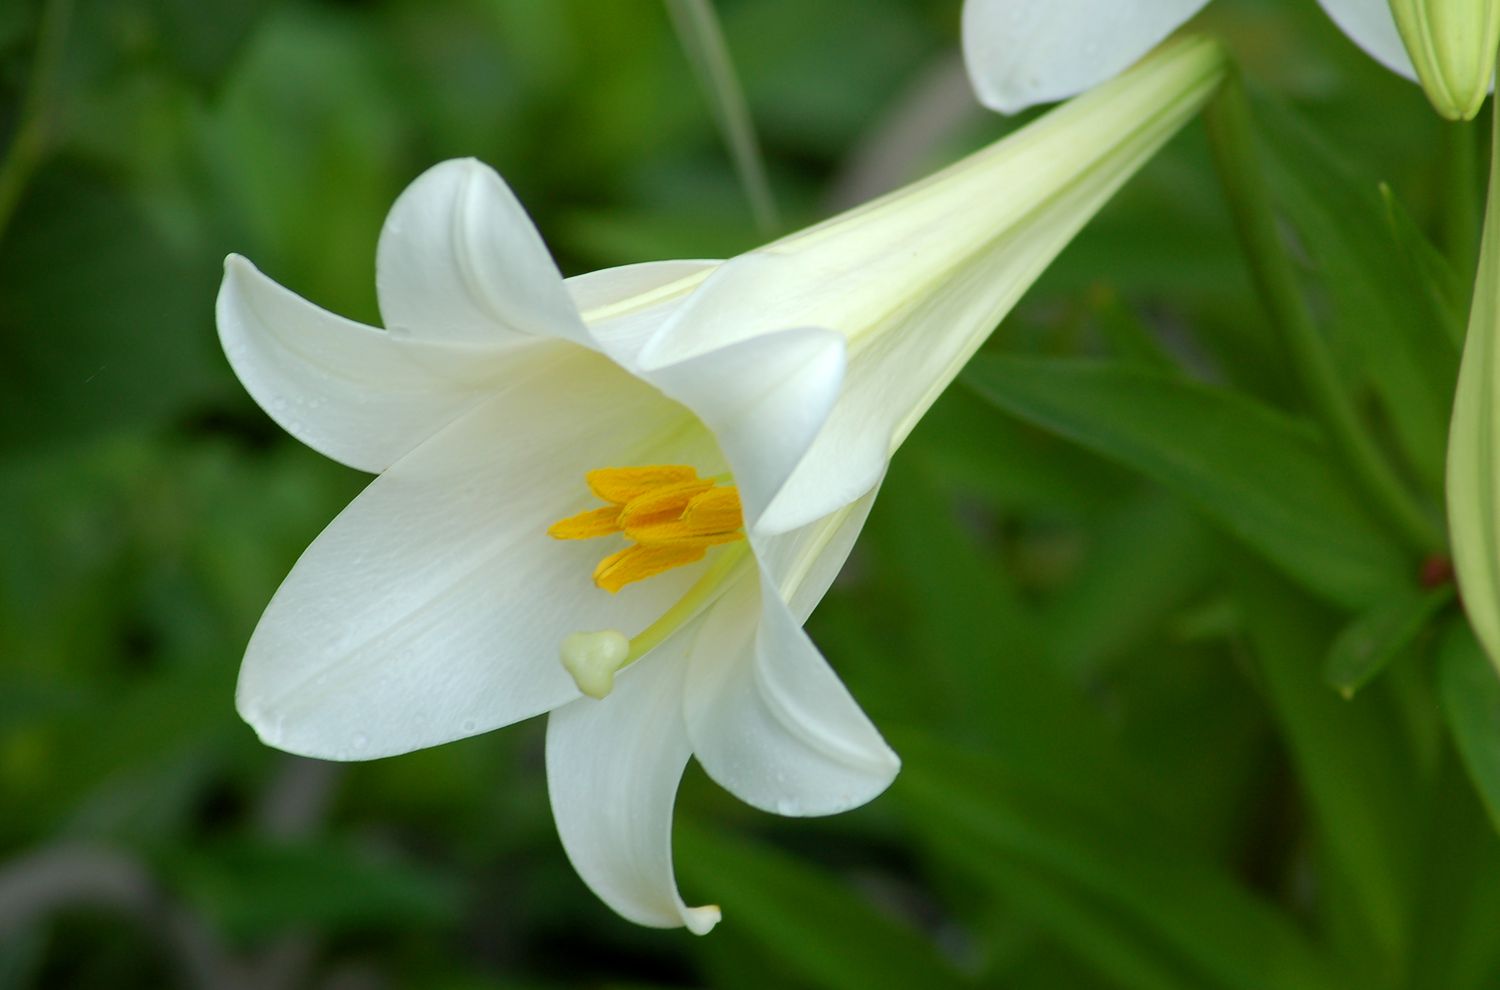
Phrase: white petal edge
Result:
[351,392]
[803,562]
[459,260]
[1023,52]
[769,720]
[625,307]
[433,607]
[1371,26]
[765,398]
[598,293]
[613,767]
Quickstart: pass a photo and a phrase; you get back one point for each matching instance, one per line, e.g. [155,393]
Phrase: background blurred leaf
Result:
[1216,449]
[1372,640]
[256,889]
[1359,782]
[1446,289]
[978,810]
[99,335]
[826,932]
[1384,315]
[1471,703]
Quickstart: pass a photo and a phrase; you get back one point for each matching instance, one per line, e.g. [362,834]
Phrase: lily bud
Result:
[1452,46]
[1473,450]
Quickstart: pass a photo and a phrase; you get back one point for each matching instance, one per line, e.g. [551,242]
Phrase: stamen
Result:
[586,525]
[623,484]
[639,561]
[671,515]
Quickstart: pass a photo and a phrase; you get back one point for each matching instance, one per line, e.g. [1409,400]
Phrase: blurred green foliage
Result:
[1097,607]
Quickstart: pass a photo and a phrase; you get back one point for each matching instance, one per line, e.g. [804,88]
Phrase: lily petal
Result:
[433,607]
[765,398]
[596,293]
[1020,52]
[351,392]
[769,719]
[460,261]
[802,563]
[1370,25]
[625,306]
[612,771]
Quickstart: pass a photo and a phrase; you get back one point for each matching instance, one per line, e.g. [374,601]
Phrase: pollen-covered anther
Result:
[671,516]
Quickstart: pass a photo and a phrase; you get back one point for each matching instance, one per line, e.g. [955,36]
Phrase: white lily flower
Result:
[1023,52]
[731,421]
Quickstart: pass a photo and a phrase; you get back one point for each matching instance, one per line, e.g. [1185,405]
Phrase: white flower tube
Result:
[1023,52]
[617,497]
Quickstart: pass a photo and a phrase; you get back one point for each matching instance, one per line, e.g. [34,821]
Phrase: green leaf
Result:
[1470,691]
[1081,924]
[1151,555]
[1370,642]
[810,921]
[1444,287]
[106,324]
[254,889]
[1187,912]
[997,681]
[1260,474]
[1458,942]
[1359,780]
[1385,317]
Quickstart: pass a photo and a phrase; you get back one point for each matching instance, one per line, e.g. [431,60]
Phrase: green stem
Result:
[702,39]
[1232,137]
[33,131]
[1458,186]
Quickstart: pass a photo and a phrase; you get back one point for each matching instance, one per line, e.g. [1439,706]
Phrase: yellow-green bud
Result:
[1452,46]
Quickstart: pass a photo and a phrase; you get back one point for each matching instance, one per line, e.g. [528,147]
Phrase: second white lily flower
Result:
[1023,52]
[636,484]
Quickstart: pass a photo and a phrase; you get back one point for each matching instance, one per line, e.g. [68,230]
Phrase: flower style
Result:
[1024,52]
[617,497]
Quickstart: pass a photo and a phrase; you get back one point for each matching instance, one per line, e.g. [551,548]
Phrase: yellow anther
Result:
[620,485]
[586,525]
[671,516]
[640,561]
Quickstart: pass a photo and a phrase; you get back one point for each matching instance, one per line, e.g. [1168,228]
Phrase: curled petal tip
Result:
[701,920]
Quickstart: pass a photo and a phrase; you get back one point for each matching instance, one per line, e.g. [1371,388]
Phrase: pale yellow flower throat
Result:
[672,517]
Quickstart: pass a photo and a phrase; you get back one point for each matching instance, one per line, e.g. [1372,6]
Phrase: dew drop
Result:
[361,741]
[469,725]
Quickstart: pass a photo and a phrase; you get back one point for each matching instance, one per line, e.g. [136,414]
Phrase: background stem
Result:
[1232,138]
